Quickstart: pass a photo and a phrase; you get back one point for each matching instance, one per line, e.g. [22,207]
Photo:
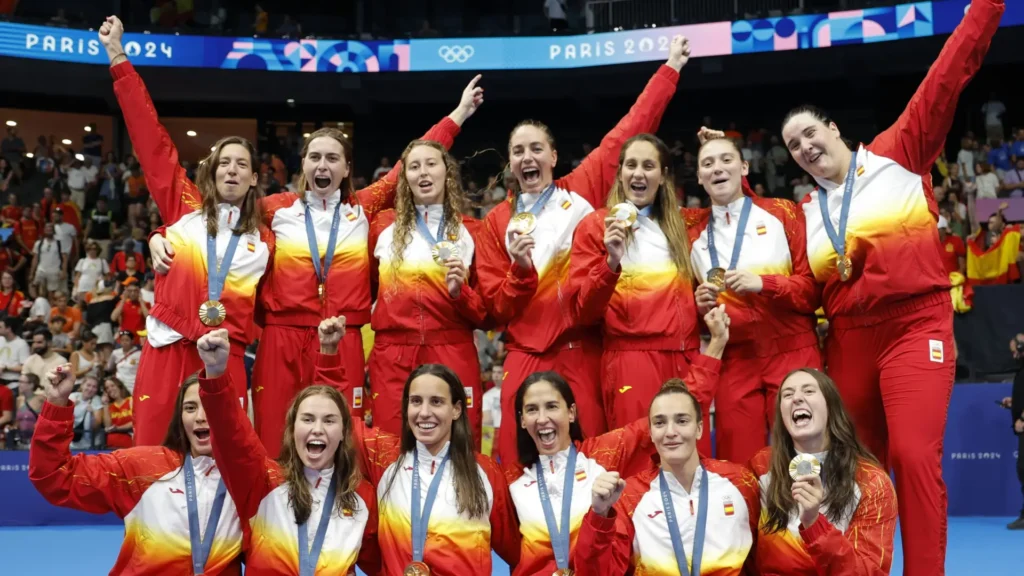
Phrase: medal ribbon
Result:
[839,240]
[539,205]
[559,532]
[421,225]
[201,550]
[420,519]
[740,232]
[673,525]
[216,276]
[646,210]
[308,557]
[332,242]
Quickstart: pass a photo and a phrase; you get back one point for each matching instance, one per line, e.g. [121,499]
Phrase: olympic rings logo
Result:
[453,54]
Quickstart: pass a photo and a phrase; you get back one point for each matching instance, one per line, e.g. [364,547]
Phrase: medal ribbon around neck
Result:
[332,242]
[541,201]
[309,556]
[673,525]
[839,239]
[216,276]
[740,232]
[201,549]
[559,533]
[421,225]
[421,518]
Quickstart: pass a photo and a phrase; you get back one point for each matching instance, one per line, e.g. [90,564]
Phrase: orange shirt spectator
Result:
[10,302]
[135,185]
[72,316]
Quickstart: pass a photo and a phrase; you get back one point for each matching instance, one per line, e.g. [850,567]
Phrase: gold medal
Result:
[716,276]
[212,313]
[804,465]
[444,250]
[320,291]
[563,572]
[625,212]
[416,569]
[523,223]
[845,267]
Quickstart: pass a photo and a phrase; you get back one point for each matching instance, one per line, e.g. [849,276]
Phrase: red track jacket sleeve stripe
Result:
[604,545]
[248,473]
[506,288]
[505,536]
[626,448]
[95,483]
[593,178]
[798,291]
[918,136]
[175,195]
[592,281]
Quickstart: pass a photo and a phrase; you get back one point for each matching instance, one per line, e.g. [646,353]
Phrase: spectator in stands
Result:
[555,11]
[72,316]
[49,265]
[131,312]
[59,341]
[289,28]
[12,149]
[999,158]
[382,169]
[92,146]
[101,304]
[65,233]
[986,182]
[954,253]
[6,175]
[135,193]
[124,361]
[953,183]
[6,409]
[13,350]
[110,176]
[130,275]
[1015,403]
[119,263]
[117,414]
[11,297]
[774,165]
[993,111]
[802,188]
[30,227]
[491,402]
[88,271]
[78,182]
[1017,147]
[994,253]
[30,402]
[85,361]
[146,293]
[88,420]
[1013,180]
[261,21]
[12,257]
[43,358]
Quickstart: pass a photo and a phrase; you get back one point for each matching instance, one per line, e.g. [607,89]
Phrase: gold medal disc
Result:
[212,313]
[444,250]
[416,569]
[563,572]
[845,267]
[625,212]
[716,276]
[804,465]
[523,223]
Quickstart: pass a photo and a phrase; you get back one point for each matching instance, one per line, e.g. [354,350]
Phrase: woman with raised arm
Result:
[524,253]
[828,508]
[330,219]
[873,244]
[422,269]
[310,511]
[551,491]
[178,518]
[631,275]
[684,515]
[214,227]
[751,254]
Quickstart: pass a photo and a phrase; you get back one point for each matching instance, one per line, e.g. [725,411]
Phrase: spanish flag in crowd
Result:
[998,264]
[961,293]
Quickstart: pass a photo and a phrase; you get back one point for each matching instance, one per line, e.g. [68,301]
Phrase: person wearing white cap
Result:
[954,253]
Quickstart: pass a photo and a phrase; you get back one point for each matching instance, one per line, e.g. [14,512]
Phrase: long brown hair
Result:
[206,180]
[346,468]
[405,209]
[176,439]
[664,210]
[839,471]
[513,185]
[470,493]
[347,191]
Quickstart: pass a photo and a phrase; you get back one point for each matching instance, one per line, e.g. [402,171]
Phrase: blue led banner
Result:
[871,25]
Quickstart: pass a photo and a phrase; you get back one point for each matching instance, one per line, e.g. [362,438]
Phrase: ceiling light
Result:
[305,134]
[191,133]
[12,123]
[290,101]
[79,157]
[66,142]
[88,128]
[29,155]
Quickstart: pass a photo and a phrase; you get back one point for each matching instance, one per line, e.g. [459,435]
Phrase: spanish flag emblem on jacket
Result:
[998,263]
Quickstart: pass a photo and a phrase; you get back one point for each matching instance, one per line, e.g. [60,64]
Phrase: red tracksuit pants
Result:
[580,365]
[284,366]
[393,358]
[745,403]
[894,368]
[161,372]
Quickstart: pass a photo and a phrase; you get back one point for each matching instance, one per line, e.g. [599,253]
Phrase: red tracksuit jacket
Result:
[145,487]
[534,302]
[860,546]
[892,238]
[781,317]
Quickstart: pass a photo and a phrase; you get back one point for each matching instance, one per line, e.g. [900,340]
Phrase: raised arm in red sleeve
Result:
[798,291]
[505,286]
[604,544]
[592,282]
[919,135]
[866,548]
[380,195]
[703,378]
[175,195]
[505,536]
[626,448]
[95,483]
[594,177]
[248,473]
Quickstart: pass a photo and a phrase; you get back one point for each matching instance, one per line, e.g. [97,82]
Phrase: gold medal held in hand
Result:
[844,266]
[625,212]
[804,465]
[523,223]
[416,569]
[212,313]
[716,276]
[444,250]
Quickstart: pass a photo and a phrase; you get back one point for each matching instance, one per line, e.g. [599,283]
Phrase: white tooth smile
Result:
[426,425]
[546,435]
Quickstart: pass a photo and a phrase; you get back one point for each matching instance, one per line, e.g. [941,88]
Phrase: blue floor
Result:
[976,546]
